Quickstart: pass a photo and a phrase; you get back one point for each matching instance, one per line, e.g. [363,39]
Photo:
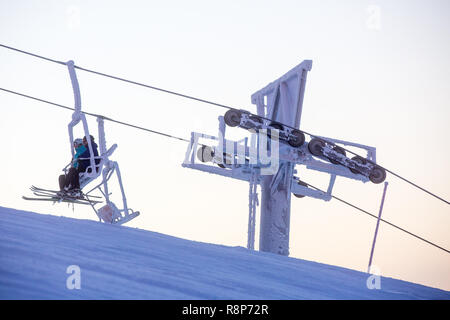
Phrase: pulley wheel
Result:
[232,118]
[377,175]
[205,154]
[297,139]
[315,146]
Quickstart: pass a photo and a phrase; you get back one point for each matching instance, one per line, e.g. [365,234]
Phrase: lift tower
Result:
[282,102]
[269,158]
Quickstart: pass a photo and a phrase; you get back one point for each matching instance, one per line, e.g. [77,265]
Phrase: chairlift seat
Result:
[87,176]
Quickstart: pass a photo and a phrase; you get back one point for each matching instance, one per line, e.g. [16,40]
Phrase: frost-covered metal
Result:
[105,168]
[275,154]
[77,115]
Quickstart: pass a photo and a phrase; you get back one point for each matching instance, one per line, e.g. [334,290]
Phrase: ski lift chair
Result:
[108,213]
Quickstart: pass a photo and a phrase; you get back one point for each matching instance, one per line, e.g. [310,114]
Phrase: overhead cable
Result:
[186,140]
[222,106]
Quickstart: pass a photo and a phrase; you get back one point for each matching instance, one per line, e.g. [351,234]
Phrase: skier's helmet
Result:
[77,142]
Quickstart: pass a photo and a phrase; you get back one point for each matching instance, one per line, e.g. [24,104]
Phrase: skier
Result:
[83,164]
[71,181]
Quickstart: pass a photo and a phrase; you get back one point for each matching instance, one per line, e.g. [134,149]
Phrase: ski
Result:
[58,195]
[52,192]
[34,188]
[44,193]
[56,199]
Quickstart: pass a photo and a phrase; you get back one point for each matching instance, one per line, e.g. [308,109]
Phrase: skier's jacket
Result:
[79,151]
[83,164]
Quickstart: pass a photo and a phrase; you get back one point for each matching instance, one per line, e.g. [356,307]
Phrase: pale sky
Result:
[380,77]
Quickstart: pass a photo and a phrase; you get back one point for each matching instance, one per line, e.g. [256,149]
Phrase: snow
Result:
[39,253]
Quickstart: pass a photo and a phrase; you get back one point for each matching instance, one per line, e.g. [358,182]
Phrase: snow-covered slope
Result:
[117,262]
